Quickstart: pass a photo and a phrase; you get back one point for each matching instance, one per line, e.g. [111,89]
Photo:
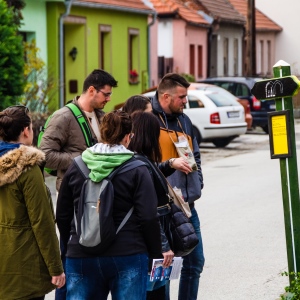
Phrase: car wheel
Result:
[197,135]
[265,129]
[221,143]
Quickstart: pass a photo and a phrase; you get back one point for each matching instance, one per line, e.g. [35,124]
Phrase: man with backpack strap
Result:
[63,138]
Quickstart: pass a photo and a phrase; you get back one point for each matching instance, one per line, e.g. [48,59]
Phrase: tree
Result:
[11,58]
[17,6]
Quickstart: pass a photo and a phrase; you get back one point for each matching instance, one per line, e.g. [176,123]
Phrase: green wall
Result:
[86,38]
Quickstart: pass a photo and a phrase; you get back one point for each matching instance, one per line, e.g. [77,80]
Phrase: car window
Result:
[195,102]
[222,99]
[241,90]
[229,86]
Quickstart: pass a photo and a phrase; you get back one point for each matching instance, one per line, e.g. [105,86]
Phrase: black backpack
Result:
[94,219]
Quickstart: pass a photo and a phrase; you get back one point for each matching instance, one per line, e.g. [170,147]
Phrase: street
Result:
[242,222]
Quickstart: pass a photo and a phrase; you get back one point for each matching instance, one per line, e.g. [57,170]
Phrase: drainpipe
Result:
[68,4]
[149,48]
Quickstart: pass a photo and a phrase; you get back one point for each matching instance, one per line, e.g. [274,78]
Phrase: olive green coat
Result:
[29,251]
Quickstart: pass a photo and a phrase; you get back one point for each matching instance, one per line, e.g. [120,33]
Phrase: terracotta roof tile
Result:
[263,23]
[223,11]
[179,7]
[131,4]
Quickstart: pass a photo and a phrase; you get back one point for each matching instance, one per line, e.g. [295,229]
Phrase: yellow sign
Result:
[280,138]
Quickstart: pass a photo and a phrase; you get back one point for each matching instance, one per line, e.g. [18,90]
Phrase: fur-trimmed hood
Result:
[17,161]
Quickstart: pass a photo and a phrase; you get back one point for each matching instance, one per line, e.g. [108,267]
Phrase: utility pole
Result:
[251,40]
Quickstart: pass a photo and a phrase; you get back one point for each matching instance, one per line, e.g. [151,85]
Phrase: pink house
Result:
[178,41]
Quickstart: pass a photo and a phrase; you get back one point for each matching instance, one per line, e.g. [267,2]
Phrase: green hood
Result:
[102,164]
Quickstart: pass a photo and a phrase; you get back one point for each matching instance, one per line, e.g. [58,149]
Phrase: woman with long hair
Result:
[122,268]
[30,264]
[145,144]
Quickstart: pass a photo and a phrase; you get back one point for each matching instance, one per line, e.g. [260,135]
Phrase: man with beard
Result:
[63,138]
[168,104]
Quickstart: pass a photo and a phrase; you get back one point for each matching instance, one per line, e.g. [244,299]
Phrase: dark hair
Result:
[114,126]
[98,79]
[135,103]
[171,81]
[13,120]
[146,131]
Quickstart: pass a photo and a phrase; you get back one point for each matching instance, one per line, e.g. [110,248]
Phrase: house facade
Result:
[287,43]
[178,41]
[266,34]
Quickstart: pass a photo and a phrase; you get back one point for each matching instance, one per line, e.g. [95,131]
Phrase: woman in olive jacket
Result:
[30,264]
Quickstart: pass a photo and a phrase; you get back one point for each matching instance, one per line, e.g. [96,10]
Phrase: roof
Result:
[128,5]
[222,11]
[263,23]
[178,7]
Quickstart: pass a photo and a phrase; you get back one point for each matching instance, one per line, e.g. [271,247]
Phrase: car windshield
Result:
[222,99]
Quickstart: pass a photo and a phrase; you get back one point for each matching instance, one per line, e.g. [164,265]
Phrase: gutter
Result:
[68,4]
[149,48]
[113,7]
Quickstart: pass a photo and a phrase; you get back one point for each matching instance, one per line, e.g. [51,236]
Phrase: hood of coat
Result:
[14,162]
[102,159]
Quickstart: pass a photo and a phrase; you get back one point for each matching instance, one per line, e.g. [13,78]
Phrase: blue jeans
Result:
[125,277]
[192,266]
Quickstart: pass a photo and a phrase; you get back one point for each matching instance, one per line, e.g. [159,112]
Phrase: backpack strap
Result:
[82,167]
[82,123]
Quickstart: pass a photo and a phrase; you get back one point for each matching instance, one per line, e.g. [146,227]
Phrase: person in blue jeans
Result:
[122,268]
[168,104]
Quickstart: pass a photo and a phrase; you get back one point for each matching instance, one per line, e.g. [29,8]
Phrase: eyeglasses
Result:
[106,94]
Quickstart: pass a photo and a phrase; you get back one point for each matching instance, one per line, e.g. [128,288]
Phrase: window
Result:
[236,57]
[225,57]
[200,61]
[105,47]
[269,67]
[194,102]
[133,51]
[261,56]
[192,60]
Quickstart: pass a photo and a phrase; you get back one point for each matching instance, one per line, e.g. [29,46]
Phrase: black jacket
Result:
[140,234]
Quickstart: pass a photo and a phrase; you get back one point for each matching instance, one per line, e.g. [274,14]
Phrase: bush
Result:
[293,290]
[188,77]
[11,58]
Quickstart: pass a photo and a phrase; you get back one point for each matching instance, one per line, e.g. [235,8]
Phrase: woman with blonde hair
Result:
[30,264]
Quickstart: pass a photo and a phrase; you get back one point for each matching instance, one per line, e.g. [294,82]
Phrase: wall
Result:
[35,13]
[285,14]
[87,41]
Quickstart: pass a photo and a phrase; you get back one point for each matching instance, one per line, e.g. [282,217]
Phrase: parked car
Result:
[215,117]
[241,88]
[244,102]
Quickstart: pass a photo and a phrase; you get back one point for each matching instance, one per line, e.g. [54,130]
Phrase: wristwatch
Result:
[171,160]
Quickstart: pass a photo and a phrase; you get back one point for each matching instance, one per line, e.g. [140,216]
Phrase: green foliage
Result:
[40,85]
[188,77]
[11,59]
[17,6]
[293,290]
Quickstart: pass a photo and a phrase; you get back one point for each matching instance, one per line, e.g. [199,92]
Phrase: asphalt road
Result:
[242,222]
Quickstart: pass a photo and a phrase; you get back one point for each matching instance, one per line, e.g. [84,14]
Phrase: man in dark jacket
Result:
[168,105]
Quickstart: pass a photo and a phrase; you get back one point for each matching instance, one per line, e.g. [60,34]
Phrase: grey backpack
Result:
[94,221]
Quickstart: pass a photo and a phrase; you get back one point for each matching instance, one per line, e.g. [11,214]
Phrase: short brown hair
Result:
[135,103]
[171,81]
[114,126]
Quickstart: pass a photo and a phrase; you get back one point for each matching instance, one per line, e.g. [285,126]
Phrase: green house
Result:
[83,35]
